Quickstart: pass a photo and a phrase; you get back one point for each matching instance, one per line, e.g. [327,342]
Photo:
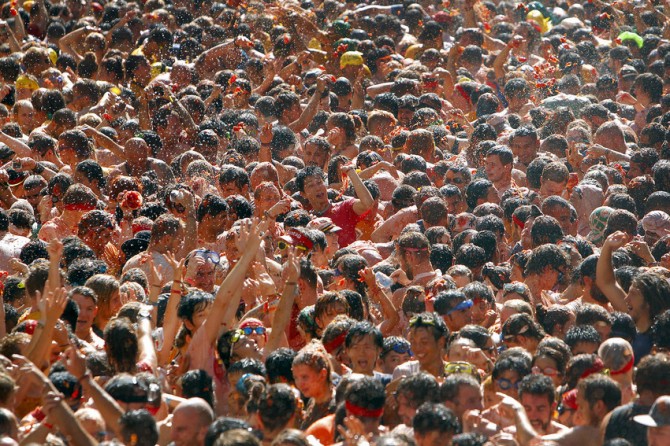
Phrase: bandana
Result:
[362,412]
[335,343]
[657,222]
[79,207]
[626,368]
[597,223]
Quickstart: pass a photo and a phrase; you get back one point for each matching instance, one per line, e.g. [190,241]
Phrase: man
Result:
[167,235]
[326,225]
[10,244]
[190,422]
[597,395]
[77,201]
[412,392]
[498,166]
[428,336]
[455,308]
[461,393]
[363,344]
[212,216]
[561,209]
[434,425]
[316,152]
[413,253]
[233,181]
[524,142]
[136,155]
[537,395]
[346,214]
[658,422]
[651,382]
[554,180]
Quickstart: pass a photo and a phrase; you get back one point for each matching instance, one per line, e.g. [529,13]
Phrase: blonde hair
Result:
[104,287]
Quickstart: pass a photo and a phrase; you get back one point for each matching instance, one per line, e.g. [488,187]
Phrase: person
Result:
[190,422]
[621,423]
[233,186]
[656,422]
[434,424]
[428,335]
[346,214]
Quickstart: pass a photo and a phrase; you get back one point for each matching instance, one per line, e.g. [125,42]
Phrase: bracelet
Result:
[48,425]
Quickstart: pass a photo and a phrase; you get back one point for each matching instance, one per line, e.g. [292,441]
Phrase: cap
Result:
[537,18]
[26,82]
[658,416]
[323,224]
[294,237]
[351,58]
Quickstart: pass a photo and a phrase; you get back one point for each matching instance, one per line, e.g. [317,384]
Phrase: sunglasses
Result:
[207,254]
[451,368]
[547,371]
[248,331]
[465,305]
[506,384]
[235,338]
[282,245]
[419,320]
[401,349]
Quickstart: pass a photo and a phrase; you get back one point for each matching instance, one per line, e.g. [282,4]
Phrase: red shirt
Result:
[343,215]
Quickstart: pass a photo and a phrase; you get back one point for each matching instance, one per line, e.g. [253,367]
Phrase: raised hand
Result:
[616,240]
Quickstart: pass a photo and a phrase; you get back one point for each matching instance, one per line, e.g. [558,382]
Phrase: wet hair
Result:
[278,365]
[435,417]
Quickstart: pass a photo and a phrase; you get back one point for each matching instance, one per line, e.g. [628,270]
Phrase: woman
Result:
[106,288]
[312,374]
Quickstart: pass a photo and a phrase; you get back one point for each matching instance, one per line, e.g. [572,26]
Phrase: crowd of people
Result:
[313,222]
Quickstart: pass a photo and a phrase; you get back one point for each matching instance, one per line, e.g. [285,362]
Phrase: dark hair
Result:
[516,363]
[277,406]
[140,425]
[419,388]
[537,384]
[597,387]
[198,384]
[432,417]
[278,365]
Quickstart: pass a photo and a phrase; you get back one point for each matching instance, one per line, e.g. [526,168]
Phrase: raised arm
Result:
[605,278]
[104,141]
[104,403]
[364,201]
[312,106]
[171,321]
[249,240]
[380,295]
[283,314]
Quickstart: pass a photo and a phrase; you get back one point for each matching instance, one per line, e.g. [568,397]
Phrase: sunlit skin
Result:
[363,354]
[468,398]
[392,360]
[539,411]
[311,383]
[87,312]
[658,436]
[427,350]
[525,148]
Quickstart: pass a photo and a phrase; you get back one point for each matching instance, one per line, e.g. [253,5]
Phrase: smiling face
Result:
[427,350]
[87,312]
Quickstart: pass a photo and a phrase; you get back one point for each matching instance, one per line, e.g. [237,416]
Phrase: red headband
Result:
[463,93]
[595,368]
[359,411]
[79,207]
[627,367]
[518,221]
[335,343]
